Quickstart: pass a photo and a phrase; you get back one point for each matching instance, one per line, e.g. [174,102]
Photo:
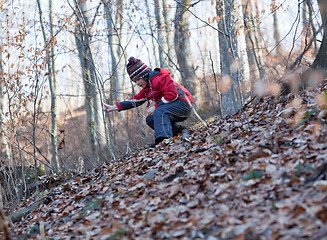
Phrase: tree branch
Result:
[187,8]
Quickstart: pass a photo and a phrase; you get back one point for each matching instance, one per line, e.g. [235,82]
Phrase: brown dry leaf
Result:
[68,209]
[321,185]
[155,201]
[259,153]
[199,190]
[173,190]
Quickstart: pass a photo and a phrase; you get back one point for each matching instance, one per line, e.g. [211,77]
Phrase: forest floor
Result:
[260,174]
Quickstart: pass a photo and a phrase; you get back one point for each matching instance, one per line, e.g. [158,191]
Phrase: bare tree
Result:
[115,39]
[229,101]
[276,27]
[241,68]
[152,32]
[168,35]
[95,121]
[313,32]
[306,20]
[182,45]
[320,61]
[50,59]
[234,59]
[4,147]
[254,42]
[162,39]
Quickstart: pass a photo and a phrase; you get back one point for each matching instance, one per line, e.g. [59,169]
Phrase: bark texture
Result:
[229,102]
[182,46]
[95,121]
[115,40]
[50,59]
[4,145]
[153,37]
[276,30]
[254,42]
[162,34]
[320,61]
[235,85]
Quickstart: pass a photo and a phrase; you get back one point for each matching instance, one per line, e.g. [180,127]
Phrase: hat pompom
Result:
[131,61]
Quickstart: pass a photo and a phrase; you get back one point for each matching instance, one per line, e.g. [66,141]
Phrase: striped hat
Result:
[137,69]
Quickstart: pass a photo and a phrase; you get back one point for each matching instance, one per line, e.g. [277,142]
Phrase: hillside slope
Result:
[257,175]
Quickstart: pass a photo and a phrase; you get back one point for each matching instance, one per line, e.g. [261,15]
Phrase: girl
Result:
[172,101]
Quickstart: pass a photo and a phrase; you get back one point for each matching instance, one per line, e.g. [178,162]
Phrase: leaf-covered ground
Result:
[256,175]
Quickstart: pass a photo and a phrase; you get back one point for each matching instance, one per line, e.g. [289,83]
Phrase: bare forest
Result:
[61,60]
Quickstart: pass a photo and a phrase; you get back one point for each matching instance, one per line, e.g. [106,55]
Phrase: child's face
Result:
[140,82]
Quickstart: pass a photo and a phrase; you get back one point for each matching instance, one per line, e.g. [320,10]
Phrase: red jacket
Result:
[161,89]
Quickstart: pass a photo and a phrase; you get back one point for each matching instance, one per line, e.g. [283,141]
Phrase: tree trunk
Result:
[53,91]
[229,102]
[95,121]
[320,61]
[307,31]
[182,46]
[162,40]
[52,83]
[115,30]
[240,67]
[276,30]
[234,59]
[313,28]
[168,36]
[152,31]
[75,85]
[253,43]
[88,98]
[4,146]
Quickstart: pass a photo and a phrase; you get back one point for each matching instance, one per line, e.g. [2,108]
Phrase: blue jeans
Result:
[165,117]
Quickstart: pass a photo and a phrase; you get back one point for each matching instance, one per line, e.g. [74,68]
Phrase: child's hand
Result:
[151,110]
[109,108]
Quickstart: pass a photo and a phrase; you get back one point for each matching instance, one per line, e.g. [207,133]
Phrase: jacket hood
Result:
[162,71]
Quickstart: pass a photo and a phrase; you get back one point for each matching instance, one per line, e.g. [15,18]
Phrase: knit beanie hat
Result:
[137,69]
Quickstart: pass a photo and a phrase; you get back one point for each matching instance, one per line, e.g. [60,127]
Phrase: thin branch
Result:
[293,43]
[283,37]
[187,8]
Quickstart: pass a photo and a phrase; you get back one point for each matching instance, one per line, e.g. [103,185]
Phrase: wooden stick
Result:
[196,113]
[16,216]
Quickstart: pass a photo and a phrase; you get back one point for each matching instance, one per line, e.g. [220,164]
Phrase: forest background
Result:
[60,61]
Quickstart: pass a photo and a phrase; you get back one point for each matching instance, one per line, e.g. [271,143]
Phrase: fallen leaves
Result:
[244,177]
